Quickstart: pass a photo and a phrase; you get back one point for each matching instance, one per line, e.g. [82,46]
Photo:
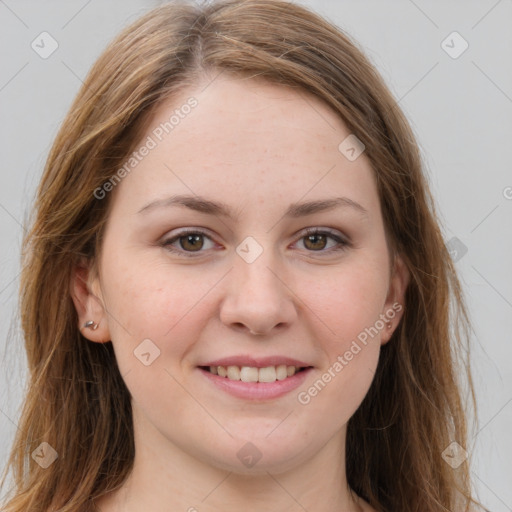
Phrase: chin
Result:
[258,457]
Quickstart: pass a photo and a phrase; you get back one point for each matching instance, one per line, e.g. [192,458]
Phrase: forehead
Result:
[246,140]
[252,114]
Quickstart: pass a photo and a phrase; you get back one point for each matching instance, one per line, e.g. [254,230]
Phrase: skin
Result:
[256,147]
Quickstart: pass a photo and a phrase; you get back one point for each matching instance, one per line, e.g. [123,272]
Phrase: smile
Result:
[254,383]
[254,374]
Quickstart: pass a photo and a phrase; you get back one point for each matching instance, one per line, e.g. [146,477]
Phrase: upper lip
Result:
[256,362]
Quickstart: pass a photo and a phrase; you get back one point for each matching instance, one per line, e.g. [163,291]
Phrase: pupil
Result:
[314,239]
[191,239]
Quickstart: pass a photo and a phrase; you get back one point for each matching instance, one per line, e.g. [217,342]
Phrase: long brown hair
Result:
[77,401]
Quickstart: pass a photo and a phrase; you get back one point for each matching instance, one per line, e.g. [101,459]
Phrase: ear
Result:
[86,294]
[395,300]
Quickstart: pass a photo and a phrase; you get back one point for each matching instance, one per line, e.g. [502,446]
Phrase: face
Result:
[242,274]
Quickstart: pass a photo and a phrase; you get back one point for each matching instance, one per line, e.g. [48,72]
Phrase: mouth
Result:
[263,381]
[255,378]
[267,374]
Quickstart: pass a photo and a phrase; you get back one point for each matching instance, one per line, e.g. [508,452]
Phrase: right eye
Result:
[190,241]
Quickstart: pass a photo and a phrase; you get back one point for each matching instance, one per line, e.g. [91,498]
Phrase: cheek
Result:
[351,352]
[157,310]
[154,318]
[350,300]
[152,299]
[348,305]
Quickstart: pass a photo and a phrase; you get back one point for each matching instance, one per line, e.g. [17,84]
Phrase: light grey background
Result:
[460,110]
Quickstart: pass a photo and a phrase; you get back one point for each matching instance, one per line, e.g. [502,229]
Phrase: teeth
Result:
[233,373]
[281,372]
[248,374]
[267,374]
[252,374]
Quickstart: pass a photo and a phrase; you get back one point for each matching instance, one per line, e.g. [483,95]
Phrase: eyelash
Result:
[343,244]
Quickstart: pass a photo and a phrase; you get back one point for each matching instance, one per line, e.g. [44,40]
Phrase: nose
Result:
[258,299]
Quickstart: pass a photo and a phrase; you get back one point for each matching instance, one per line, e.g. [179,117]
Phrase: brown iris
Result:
[194,242]
[315,238]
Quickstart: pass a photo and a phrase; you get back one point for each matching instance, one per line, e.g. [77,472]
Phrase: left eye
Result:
[317,239]
[192,241]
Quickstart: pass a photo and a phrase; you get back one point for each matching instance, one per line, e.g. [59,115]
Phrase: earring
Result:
[389,325]
[90,324]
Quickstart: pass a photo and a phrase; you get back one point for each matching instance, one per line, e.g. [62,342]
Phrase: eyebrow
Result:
[295,210]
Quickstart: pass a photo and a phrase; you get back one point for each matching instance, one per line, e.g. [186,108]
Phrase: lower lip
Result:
[257,390]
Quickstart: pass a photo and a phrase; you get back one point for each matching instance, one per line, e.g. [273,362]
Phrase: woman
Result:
[235,290]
